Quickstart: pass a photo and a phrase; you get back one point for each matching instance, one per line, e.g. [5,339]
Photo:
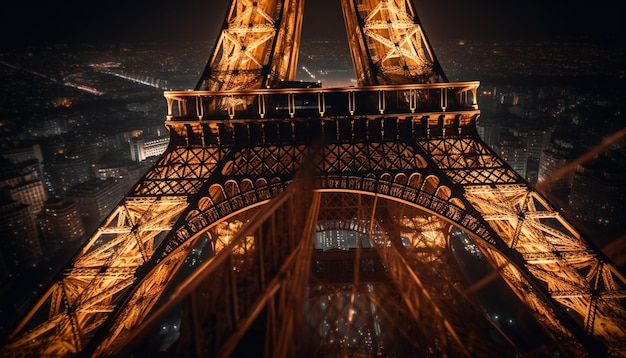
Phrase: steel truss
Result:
[219,226]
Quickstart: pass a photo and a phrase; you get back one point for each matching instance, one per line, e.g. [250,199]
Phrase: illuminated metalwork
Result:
[258,47]
[221,226]
[387,43]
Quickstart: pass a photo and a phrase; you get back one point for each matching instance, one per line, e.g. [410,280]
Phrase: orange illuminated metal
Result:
[404,137]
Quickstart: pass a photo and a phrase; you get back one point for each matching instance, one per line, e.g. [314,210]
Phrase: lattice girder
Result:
[558,257]
[468,161]
[374,158]
[260,43]
[104,268]
[258,46]
[398,170]
[180,171]
[396,42]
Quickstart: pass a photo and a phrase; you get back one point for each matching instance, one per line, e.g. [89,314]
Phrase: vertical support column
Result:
[291,104]
[261,100]
[351,102]
[283,63]
[474,99]
[358,46]
[231,107]
[199,107]
[412,100]
[170,103]
[321,103]
[443,99]
[381,102]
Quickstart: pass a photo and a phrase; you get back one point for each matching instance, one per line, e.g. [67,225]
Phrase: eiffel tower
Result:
[287,218]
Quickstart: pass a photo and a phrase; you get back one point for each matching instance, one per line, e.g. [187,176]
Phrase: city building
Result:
[554,158]
[141,149]
[489,130]
[60,223]
[23,154]
[127,172]
[597,196]
[65,171]
[19,240]
[94,200]
[537,140]
[514,152]
[22,183]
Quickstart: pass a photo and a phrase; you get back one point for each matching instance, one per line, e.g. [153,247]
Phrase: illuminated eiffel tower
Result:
[286,218]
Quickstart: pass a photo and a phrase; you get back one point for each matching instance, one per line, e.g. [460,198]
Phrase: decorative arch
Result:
[429,196]
[216,192]
[401,179]
[457,202]
[191,214]
[204,203]
[246,185]
[421,162]
[443,192]
[430,184]
[415,180]
[231,188]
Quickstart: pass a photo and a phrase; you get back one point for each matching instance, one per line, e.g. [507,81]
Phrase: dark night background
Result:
[28,22]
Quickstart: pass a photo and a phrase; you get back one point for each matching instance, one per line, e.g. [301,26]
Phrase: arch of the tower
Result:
[417,189]
[415,208]
[424,190]
[423,210]
[246,178]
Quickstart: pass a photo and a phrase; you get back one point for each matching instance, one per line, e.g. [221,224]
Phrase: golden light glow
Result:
[235,147]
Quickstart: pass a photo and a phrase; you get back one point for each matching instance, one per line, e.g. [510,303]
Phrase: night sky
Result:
[28,22]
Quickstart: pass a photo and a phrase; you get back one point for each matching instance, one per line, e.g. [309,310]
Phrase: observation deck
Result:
[319,102]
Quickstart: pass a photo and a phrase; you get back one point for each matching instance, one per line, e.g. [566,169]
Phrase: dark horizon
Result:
[121,22]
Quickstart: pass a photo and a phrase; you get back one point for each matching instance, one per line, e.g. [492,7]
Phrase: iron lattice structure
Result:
[325,221]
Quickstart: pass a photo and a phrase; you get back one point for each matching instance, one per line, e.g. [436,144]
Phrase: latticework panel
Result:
[73,309]
[588,288]
[468,161]
[573,272]
[258,33]
[395,42]
[180,171]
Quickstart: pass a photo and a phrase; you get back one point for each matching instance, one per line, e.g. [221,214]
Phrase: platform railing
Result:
[321,102]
